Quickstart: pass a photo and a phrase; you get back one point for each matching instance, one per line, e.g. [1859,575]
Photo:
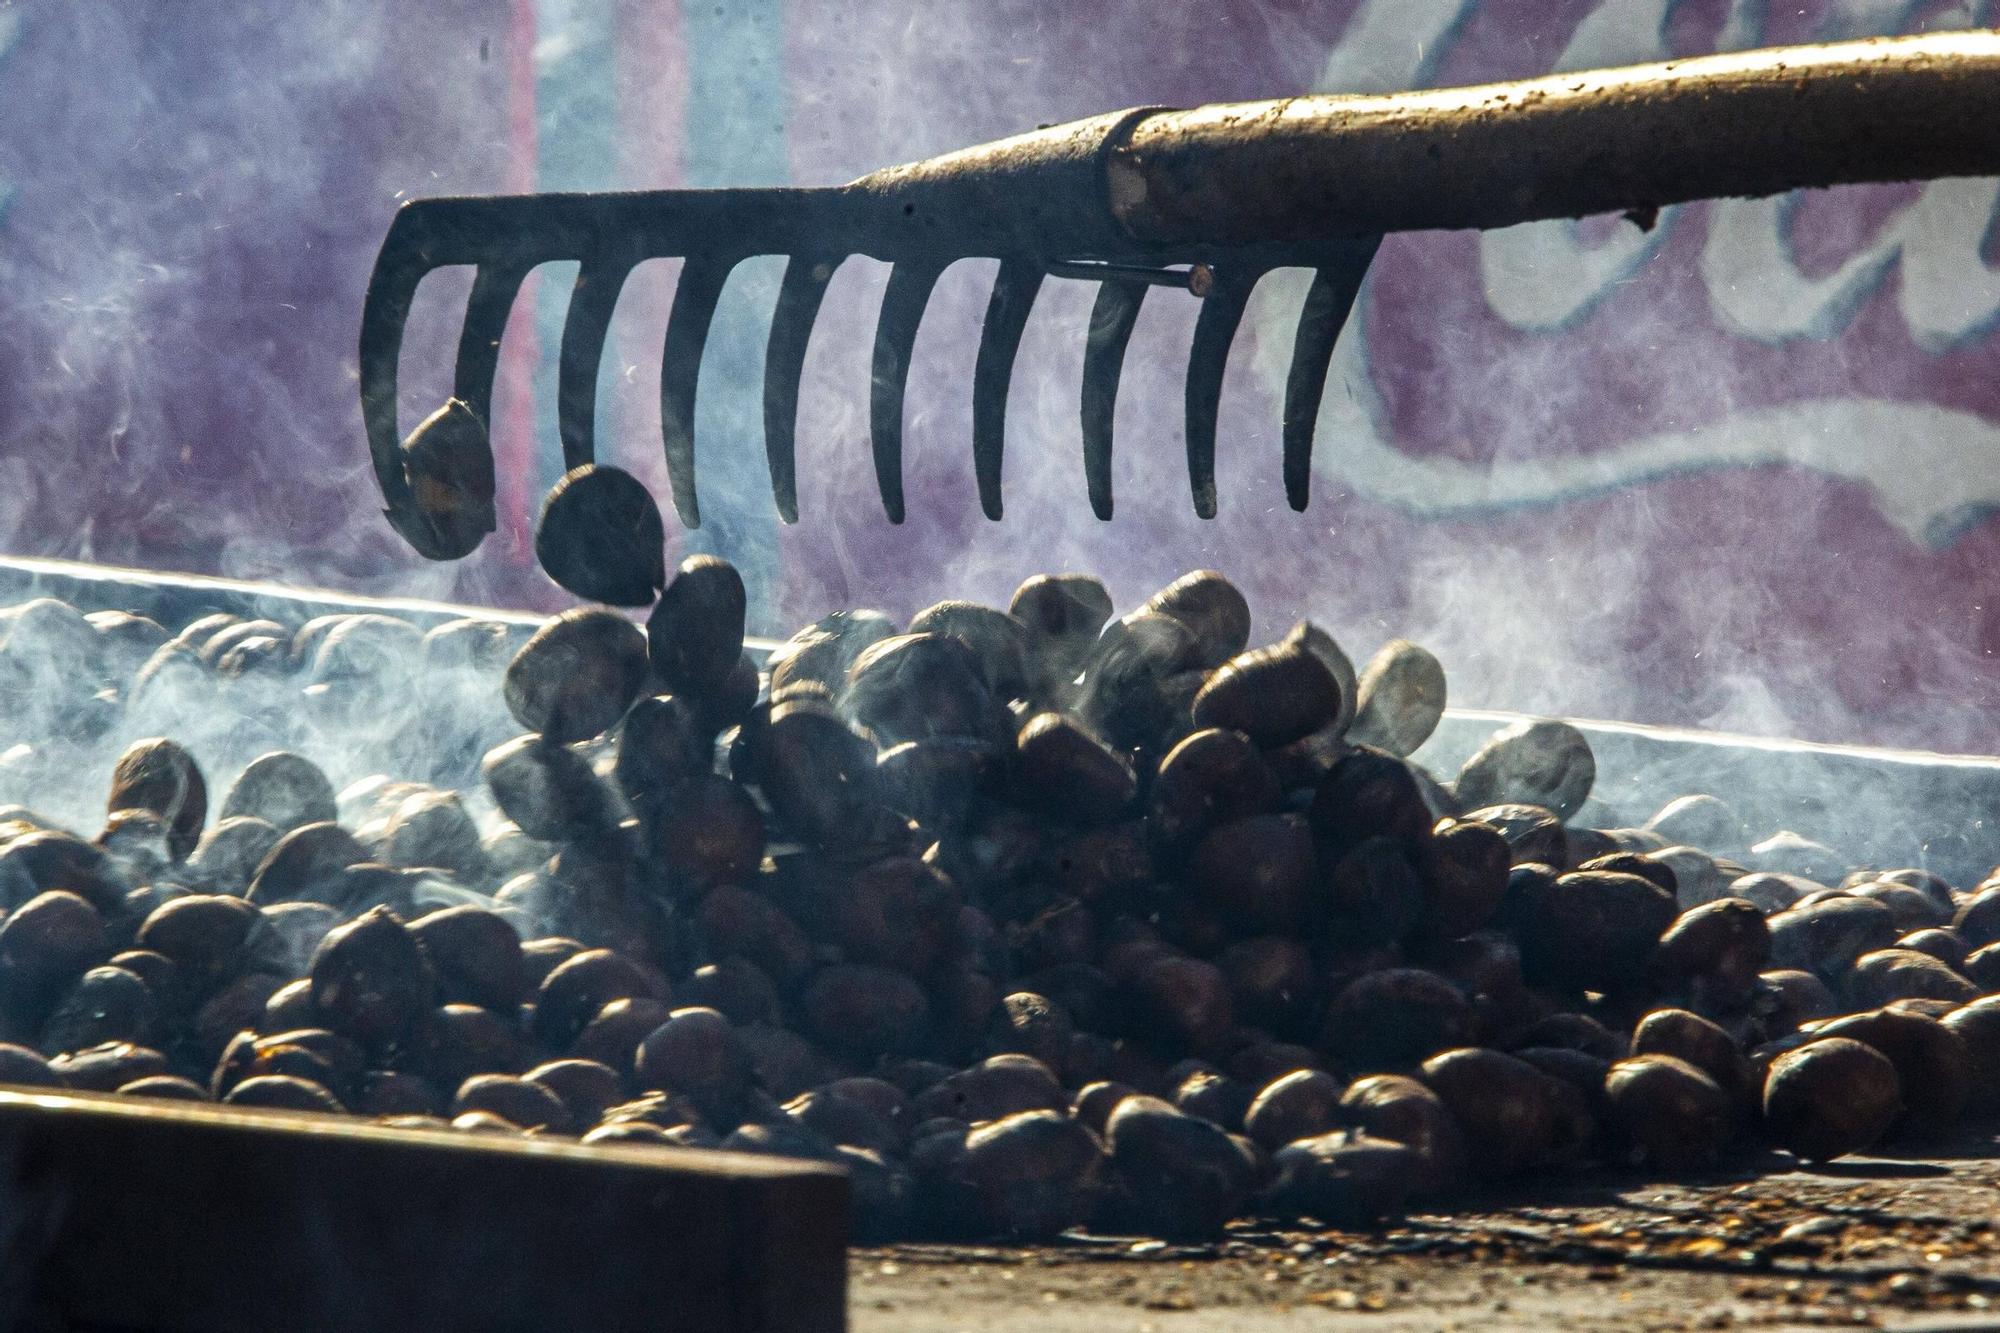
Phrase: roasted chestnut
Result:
[1400,699]
[600,537]
[578,674]
[1273,695]
[696,628]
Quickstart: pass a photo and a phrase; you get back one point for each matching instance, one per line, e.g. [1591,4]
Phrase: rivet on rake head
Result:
[1197,279]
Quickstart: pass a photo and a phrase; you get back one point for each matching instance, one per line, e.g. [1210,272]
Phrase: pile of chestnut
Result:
[1033,918]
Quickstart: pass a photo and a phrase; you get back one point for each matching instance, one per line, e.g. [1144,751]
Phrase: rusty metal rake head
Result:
[1207,201]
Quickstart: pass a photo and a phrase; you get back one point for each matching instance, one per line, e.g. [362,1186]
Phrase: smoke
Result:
[196,202]
[182,264]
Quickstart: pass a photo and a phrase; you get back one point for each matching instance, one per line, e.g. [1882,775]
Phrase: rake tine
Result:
[1111,321]
[391,288]
[680,366]
[486,311]
[1014,290]
[591,302]
[1328,304]
[799,294]
[1214,328]
[909,291]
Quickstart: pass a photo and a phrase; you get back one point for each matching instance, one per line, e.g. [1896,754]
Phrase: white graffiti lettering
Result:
[1931,469]
[1949,294]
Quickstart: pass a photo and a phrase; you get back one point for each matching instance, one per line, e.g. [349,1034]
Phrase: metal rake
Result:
[1205,200]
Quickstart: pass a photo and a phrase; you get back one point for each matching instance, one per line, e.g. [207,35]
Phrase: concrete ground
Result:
[1869,1243]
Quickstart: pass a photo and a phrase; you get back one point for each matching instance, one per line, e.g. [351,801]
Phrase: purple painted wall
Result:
[1742,471]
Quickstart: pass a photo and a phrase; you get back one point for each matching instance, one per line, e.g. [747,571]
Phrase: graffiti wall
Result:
[1738,470]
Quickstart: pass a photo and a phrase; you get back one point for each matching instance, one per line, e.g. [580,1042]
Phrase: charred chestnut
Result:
[661,744]
[372,979]
[573,993]
[997,641]
[1504,1106]
[1465,863]
[515,1100]
[1183,1003]
[1933,1064]
[48,940]
[919,687]
[108,1067]
[1375,894]
[476,954]
[1831,1097]
[1072,775]
[1174,1174]
[1701,1043]
[284,1092]
[1400,699]
[870,1011]
[1540,762]
[1345,1178]
[822,652]
[696,629]
[1299,1105]
[814,770]
[1257,872]
[160,776]
[1025,1023]
[1133,690]
[546,788]
[1725,942]
[1673,1114]
[1827,937]
[611,1038]
[1938,942]
[586,1087]
[746,923]
[283,789]
[306,863]
[1367,794]
[104,1004]
[1063,614]
[1395,1018]
[43,860]
[1591,929]
[432,829]
[1273,695]
[939,782]
[600,537]
[229,853]
[1403,1110]
[709,832]
[1886,975]
[1028,1175]
[448,468]
[1212,607]
[696,1053]
[578,674]
[1534,833]
[1208,778]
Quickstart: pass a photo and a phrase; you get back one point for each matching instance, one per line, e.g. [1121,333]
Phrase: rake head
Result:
[992,202]
[1204,201]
